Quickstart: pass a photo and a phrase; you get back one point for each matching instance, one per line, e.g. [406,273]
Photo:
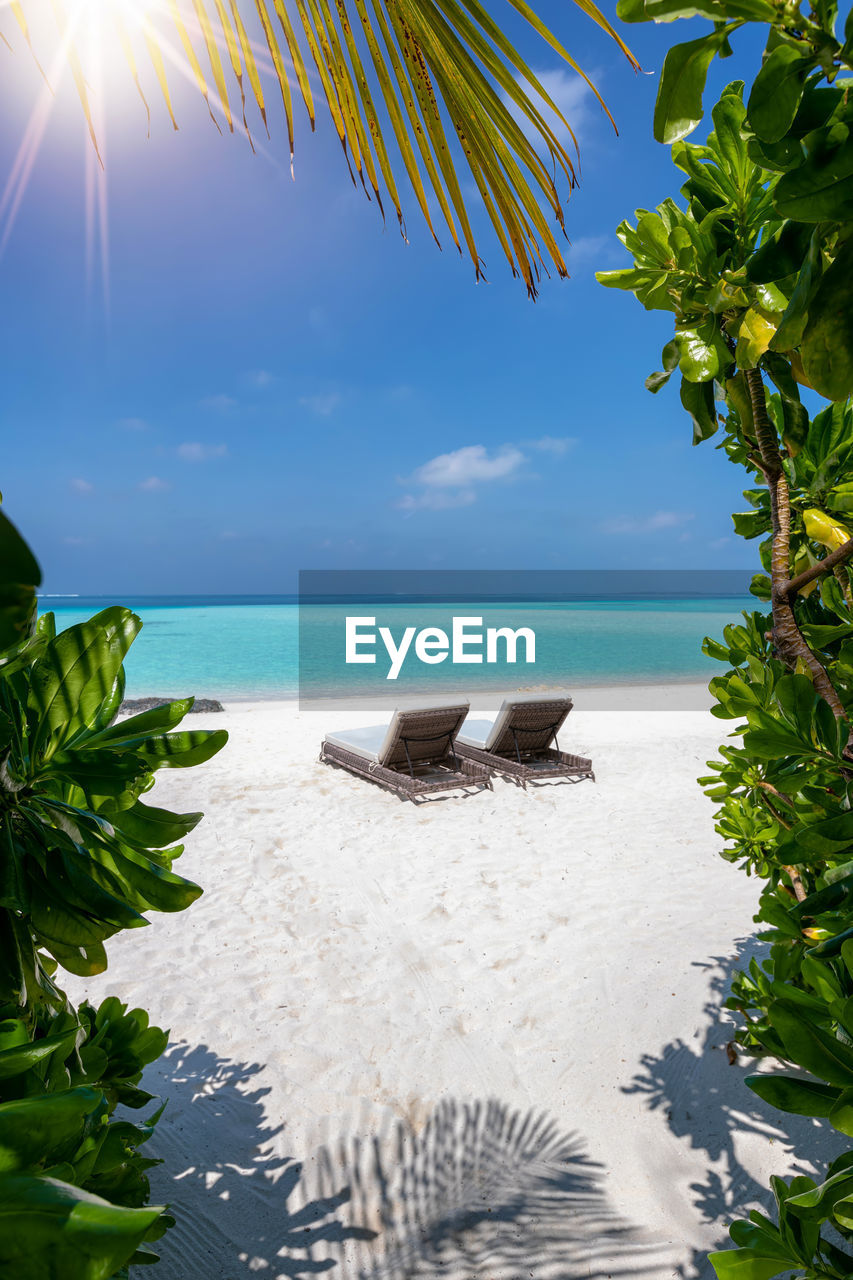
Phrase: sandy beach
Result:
[477,1038]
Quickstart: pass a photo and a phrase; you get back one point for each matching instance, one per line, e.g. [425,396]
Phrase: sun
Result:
[96,43]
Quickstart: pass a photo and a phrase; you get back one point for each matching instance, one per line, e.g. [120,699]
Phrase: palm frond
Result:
[430,90]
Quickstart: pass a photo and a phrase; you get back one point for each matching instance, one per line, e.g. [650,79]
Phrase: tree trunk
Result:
[789,642]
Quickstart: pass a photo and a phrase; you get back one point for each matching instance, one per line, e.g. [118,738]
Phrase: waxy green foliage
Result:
[82,856]
[798,124]
[729,269]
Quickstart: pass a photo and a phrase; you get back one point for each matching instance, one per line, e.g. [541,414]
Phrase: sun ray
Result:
[22,166]
[426,64]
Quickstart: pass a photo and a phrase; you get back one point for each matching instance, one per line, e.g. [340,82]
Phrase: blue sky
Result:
[277,382]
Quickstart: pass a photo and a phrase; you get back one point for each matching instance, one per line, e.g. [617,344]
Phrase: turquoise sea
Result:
[242,647]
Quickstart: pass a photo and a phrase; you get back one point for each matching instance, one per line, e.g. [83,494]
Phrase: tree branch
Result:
[788,640]
[783,822]
[796,883]
[794,585]
[768,786]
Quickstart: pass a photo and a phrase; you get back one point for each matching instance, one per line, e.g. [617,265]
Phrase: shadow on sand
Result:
[480,1191]
[705,1100]
[239,1205]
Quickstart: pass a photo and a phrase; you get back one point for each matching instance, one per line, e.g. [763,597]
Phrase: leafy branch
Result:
[755,268]
[81,857]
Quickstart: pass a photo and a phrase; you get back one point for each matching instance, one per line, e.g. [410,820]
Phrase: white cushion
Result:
[475,733]
[376,742]
[361,742]
[483,734]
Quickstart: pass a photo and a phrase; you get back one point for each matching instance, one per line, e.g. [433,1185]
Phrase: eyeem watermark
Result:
[377,638]
[468,642]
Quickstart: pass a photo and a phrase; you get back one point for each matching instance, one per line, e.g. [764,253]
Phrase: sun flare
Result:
[97,43]
[413,88]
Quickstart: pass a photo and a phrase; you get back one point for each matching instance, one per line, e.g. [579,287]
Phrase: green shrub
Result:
[759,287]
[81,857]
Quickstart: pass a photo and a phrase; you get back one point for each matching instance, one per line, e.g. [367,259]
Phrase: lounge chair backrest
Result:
[426,733]
[530,722]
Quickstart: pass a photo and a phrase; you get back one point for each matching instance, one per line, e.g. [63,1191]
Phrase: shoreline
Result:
[688,694]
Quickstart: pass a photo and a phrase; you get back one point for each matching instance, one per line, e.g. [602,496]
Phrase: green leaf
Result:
[669,358]
[19,577]
[799,1097]
[51,1229]
[821,189]
[792,325]
[18,565]
[160,889]
[16,1060]
[181,750]
[831,946]
[715,10]
[819,1201]
[841,1115]
[631,11]
[746,1264]
[146,827]
[728,115]
[751,524]
[36,1132]
[74,675]
[678,109]
[756,332]
[827,837]
[827,344]
[782,255]
[839,888]
[770,742]
[101,773]
[698,399]
[776,92]
[810,1047]
[699,359]
[136,729]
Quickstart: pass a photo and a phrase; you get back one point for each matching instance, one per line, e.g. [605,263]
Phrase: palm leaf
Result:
[429,90]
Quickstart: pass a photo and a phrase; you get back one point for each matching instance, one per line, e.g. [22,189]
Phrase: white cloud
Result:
[77,542]
[193,451]
[717,543]
[572,97]
[154,484]
[261,378]
[557,445]
[655,523]
[453,479]
[221,403]
[470,465]
[322,405]
[81,486]
[133,424]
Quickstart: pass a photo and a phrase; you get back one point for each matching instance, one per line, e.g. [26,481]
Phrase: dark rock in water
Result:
[133,705]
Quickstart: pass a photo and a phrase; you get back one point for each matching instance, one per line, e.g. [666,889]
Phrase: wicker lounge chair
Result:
[521,742]
[414,756]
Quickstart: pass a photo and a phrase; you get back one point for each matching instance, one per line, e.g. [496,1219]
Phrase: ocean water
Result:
[248,647]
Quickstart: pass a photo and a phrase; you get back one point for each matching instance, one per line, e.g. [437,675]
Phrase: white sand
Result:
[477,1038]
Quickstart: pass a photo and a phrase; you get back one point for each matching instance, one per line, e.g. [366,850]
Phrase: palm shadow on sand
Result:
[480,1191]
[238,1204]
[706,1101]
